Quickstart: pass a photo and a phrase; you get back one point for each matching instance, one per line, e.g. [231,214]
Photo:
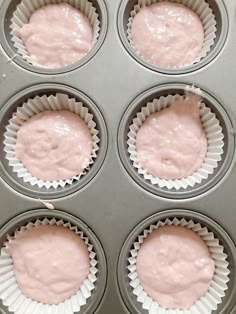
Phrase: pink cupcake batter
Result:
[54,145]
[57,35]
[171,143]
[50,263]
[167,34]
[175,267]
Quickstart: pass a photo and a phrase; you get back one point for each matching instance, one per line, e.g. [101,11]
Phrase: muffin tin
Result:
[111,200]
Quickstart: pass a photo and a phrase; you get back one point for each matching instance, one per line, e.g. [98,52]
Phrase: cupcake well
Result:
[207,303]
[214,134]
[13,298]
[37,105]
[200,7]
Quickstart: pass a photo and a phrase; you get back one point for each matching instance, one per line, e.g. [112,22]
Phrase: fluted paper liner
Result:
[18,303]
[213,131]
[27,7]
[200,7]
[207,303]
[35,106]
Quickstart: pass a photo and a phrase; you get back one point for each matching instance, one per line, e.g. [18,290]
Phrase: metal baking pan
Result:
[112,201]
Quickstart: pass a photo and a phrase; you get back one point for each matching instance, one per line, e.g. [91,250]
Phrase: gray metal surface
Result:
[112,203]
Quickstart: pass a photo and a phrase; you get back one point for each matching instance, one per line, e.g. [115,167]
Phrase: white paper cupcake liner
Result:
[27,7]
[35,106]
[213,131]
[200,7]
[18,303]
[207,303]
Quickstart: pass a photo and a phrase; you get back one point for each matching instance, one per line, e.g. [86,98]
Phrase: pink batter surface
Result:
[167,34]
[57,35]
[175,267]
[50,263]
[171,143]
[54,145]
